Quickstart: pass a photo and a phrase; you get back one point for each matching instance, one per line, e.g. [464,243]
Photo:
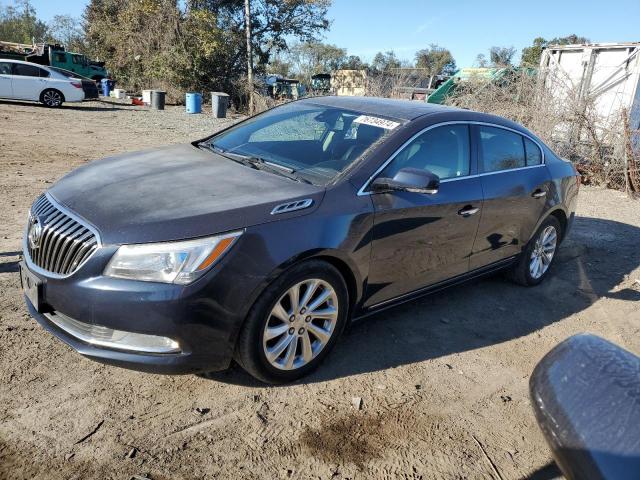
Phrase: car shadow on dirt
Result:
[592,263]
[72,106]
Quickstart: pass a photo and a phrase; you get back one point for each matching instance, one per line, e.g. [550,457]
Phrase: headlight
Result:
[170,262]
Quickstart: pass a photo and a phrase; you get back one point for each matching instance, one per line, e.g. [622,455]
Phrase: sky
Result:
[465,27]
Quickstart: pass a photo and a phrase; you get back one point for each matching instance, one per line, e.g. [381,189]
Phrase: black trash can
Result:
[157,99]
[219,103]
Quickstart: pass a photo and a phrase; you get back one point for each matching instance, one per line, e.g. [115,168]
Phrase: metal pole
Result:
[247,30]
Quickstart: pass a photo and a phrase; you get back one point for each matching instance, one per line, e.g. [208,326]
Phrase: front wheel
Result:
[294,323]
[536,259]
[51,98]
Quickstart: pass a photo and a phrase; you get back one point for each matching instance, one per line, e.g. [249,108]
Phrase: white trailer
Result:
[596,89]
[606,74]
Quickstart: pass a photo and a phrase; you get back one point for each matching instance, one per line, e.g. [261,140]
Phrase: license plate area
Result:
[32,286]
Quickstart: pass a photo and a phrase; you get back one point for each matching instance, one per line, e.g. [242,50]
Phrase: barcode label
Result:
[377,122]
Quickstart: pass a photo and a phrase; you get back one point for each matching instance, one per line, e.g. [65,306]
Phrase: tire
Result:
[526,270]
[51,98]
[267,355]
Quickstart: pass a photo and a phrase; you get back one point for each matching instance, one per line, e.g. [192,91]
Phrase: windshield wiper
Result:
[241,159]
[256,162]
[276,168]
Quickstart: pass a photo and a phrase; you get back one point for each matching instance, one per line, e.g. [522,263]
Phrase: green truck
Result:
[487,75]
[54,56]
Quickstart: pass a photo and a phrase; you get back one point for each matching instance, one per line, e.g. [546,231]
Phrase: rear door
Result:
[28,81]
[422,239]
[5,80]
[515,182]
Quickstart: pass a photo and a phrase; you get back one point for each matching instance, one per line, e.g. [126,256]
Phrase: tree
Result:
[200,45]
[280,64]
[436,60]
[310,58]
[273,22]
[385,61]
[353,62]
[481,61]
[531,55]
[306,59]
[66,30]
[152,44]
[501,56]
[19,24]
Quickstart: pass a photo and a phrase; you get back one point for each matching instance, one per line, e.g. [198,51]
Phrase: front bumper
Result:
[171,364]
[192,315]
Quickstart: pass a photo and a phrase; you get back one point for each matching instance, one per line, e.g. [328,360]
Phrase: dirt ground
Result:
[440,379]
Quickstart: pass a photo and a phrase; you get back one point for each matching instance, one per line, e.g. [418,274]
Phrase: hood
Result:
[174,193]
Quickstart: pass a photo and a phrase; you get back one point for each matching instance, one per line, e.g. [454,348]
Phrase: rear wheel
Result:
[294,324]
[534,262]
[51,98]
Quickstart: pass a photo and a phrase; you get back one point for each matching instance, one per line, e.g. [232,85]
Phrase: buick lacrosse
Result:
[261,242]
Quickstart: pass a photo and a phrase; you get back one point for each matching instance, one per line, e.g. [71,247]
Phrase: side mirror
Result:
[408,180]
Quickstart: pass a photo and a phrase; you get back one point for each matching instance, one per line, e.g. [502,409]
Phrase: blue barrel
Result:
[106,86]
[194,102]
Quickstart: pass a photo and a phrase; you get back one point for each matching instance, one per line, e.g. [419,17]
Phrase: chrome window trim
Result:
[40,271]
[362,191]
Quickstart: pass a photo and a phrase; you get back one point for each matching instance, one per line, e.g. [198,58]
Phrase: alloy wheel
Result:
[300,324]
[543,252]
[51,98]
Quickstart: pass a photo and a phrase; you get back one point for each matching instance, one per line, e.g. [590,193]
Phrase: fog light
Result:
[111,338]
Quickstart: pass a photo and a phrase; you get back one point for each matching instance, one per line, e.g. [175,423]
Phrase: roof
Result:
[12,60]
[596,46]
[384,107]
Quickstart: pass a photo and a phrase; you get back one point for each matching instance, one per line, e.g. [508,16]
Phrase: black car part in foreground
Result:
[263,241]
[585,394]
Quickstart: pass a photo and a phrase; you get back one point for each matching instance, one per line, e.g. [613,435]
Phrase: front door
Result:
[515,183]
[422,239]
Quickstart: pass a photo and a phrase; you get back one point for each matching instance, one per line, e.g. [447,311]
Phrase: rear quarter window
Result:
[5,68]
[533,152]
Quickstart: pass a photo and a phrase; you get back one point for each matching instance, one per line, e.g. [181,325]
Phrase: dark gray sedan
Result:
[263,241]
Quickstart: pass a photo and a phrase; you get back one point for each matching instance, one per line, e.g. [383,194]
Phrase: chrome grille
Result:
[61,243]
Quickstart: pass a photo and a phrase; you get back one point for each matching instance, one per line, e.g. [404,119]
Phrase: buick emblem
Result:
[35,233]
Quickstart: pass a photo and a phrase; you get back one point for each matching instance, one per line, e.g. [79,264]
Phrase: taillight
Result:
[77,84]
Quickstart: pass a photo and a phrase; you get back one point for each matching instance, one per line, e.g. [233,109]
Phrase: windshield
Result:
[314,141]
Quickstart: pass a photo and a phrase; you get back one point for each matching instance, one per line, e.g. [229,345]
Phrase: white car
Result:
[30,81]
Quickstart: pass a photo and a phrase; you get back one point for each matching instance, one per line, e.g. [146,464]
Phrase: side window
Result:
[26,70]
[534,154]
[442,150]
[5,68]
[76,59]
[44,73]
[500,149]
[60,57]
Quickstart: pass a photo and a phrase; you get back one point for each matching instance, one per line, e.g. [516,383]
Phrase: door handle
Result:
[468,211]
[539,193]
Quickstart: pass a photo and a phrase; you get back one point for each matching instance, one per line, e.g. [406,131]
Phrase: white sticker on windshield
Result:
[377,122]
